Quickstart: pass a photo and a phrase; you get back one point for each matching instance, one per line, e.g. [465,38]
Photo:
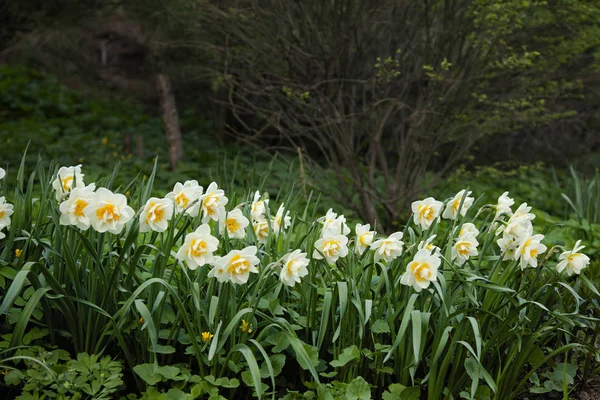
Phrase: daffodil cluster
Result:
[104,211]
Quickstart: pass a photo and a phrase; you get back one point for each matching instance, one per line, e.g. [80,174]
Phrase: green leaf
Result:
[380,326]
[394,392]
[358,389]
[148,374]
[348,354]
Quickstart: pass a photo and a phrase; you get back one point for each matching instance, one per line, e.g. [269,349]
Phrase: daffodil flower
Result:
[364,238]
[573,261]
[65,179]
[213,203]
[6,210]
[198,248]
[464,248]
[422,270]
[426,211]
[331,248]
[428,245]
[73,210]
[452,208]
[156,215]
[236,266]
[468,229]
[529,248]
[186,197]
[261,229]
[257,210]
[108,211]
[389,248]
[2,173]
[504,205]
[333,225]
[293,267]
[281,222]
[235,222]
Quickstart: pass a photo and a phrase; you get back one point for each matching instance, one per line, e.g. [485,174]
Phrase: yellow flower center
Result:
[182,200]
[156,214]
[67,182]
[108,212]
[331,248]
[569,259]
[80,204]
[533,253]
[232,225]
[197,248]
[256,205]
[261,230]
[463,248]
[455,206]
[362,239]
[426,212]
[524,248]
[420,270]
[238,265]
[2,214]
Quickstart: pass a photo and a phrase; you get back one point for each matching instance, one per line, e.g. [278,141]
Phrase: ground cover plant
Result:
[207,294]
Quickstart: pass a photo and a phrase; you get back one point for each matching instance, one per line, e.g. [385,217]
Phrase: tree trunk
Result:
[170,119]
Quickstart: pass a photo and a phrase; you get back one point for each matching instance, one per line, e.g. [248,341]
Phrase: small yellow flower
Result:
[18,253]
[206,336]
[8,140]
[141,320]
[5,371]
[115,154]
[246,327]
[105,140]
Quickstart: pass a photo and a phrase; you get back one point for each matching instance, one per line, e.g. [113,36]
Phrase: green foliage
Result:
[52,374]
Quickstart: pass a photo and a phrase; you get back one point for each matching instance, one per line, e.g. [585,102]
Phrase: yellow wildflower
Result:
[18,253]
[206,336]
[246,327]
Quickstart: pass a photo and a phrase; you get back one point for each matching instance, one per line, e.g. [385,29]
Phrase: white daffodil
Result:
[261,229]
[73,210]
[331,248]
[388,249]
[529,247]
[333,225]
[276,223]
[519,223]
[156,215]
[452,208]
[464,248]
[504,205]
[2,173]
[508,246]
[186,197]
[293,267]
[468,229]
[364,238]
[6,210]
[426,211]
[573,261]
[258,208]
[422,270]
[428,245]
[65,179]
[213,203]
[108,211]
[198,248]
[235,222]
[236,266]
